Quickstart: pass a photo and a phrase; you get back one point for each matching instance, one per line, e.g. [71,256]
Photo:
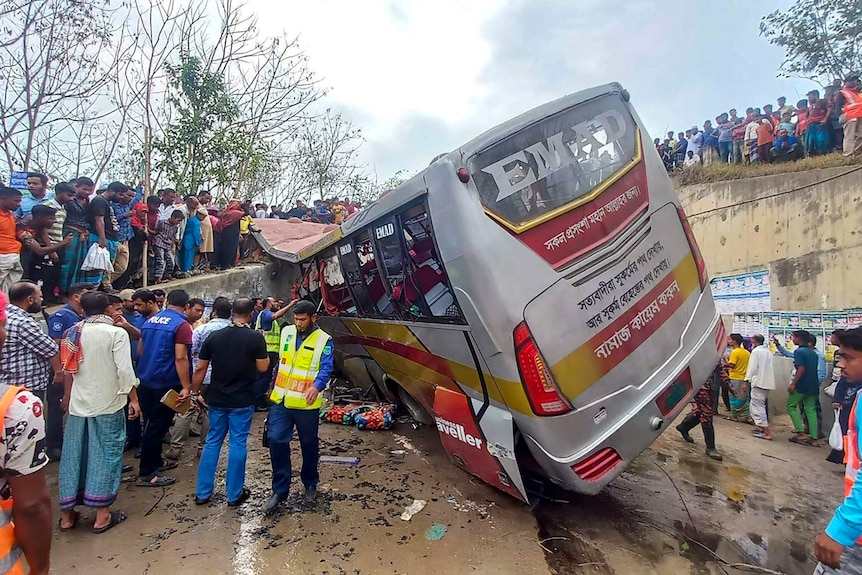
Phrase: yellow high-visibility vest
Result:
[272,337]
[298,368]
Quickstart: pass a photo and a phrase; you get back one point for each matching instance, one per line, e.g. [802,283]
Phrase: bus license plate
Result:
[674,393]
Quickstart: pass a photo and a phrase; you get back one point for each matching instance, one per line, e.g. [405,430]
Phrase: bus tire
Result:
[413,407]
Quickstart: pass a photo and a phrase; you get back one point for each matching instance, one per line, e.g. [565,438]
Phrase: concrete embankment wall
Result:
[805,228]
[249,280]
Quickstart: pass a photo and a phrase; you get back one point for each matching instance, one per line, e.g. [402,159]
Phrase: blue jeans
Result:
[725,151]
[281,424]
[222,419]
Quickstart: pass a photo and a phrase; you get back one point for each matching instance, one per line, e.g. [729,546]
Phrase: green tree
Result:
[822,40]
[198,143]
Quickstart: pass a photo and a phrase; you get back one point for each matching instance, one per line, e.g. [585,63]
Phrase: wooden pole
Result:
[147,193]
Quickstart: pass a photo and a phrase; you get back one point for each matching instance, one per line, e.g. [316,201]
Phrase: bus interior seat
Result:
[432,284]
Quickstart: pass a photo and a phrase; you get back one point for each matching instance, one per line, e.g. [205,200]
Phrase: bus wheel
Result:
[413,407]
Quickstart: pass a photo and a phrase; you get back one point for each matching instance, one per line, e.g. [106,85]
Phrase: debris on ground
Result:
[412,509]
[337,460]
[469,506]
[363,415]
[436,533]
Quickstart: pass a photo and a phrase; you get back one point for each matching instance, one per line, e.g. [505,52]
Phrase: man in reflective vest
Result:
[304,369]
[839,549]
[267,323]
[849,101]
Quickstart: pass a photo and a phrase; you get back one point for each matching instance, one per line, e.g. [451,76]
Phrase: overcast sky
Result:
[421,78]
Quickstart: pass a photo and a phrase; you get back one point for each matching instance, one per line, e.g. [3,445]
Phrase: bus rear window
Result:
[555,161]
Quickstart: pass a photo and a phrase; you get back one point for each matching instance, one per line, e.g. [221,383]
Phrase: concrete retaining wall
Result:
[248,280]
[805,228]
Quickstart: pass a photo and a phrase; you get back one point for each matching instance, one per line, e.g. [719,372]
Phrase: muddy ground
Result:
[763,505]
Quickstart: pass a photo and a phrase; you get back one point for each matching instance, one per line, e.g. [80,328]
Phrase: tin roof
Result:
[294,240]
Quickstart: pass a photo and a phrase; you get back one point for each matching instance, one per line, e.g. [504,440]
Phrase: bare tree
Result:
[56,55]
[327,147]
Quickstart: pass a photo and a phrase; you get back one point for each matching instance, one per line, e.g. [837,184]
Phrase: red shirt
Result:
[137,209]
[184,334]
[152,218]
[817,111]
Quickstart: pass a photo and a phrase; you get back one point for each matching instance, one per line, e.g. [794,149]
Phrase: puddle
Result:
[625,529]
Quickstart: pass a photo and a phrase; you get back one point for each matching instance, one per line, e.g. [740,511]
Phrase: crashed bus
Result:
[537,294]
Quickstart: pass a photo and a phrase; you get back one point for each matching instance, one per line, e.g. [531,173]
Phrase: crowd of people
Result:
[330,211]
[744,379]
[49,236]
[814,126]
[112,373]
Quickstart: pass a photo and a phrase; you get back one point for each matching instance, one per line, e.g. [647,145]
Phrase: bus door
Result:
[479,436]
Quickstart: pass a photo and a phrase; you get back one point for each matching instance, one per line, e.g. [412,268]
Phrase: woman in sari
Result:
[191,241]
[229,228]
[207,245]
[74,254]
[818,139]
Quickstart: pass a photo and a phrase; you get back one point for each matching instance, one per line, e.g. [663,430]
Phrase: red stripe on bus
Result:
[638,336]
[420,356]
[586,227]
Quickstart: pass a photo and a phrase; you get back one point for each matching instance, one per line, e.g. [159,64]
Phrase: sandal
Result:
[75,517]
[117,517]
[761,435]
[169,464]
[155,480]
[800,439]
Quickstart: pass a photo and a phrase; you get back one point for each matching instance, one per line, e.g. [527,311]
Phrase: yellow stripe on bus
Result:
[509,393]
[579,370]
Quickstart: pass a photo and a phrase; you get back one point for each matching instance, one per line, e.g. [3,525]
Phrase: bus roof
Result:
[521,121]
[284,245]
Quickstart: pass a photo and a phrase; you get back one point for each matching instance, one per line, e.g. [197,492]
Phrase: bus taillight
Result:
[695,250]
[542,391]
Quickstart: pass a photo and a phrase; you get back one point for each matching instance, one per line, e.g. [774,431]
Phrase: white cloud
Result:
[424,77]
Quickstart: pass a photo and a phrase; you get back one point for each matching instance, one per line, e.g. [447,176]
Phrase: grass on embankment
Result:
[721,172]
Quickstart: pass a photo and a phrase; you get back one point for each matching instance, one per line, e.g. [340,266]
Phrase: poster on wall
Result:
[742,293]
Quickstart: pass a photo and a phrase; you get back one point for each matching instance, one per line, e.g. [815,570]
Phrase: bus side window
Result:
[333,289]
[427,276]
[371,277]
[355,277]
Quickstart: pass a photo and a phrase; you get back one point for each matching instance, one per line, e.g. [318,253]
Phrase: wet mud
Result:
[674,511]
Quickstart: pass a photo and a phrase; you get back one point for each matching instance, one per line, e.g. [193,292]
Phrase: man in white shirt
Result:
[761,380]
[97,364]
[695,142]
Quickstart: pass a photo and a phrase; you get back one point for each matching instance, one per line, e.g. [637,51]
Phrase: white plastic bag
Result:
[98,259]
[830,389]
[836,438]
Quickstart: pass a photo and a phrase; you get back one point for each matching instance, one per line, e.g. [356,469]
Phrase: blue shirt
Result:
[125,222]
[61,320]
[808,384]
[266,320]
[846,524]
[136,320]
[156,366]
[821,361]
[325,362]
[28,201]
[786,142]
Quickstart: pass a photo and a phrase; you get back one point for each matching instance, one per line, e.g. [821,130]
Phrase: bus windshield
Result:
[556,161]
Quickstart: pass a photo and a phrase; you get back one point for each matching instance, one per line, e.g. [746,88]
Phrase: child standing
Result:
[164,246]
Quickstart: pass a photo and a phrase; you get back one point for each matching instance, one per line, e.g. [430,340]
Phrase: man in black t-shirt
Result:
[238,354]
[104,229]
